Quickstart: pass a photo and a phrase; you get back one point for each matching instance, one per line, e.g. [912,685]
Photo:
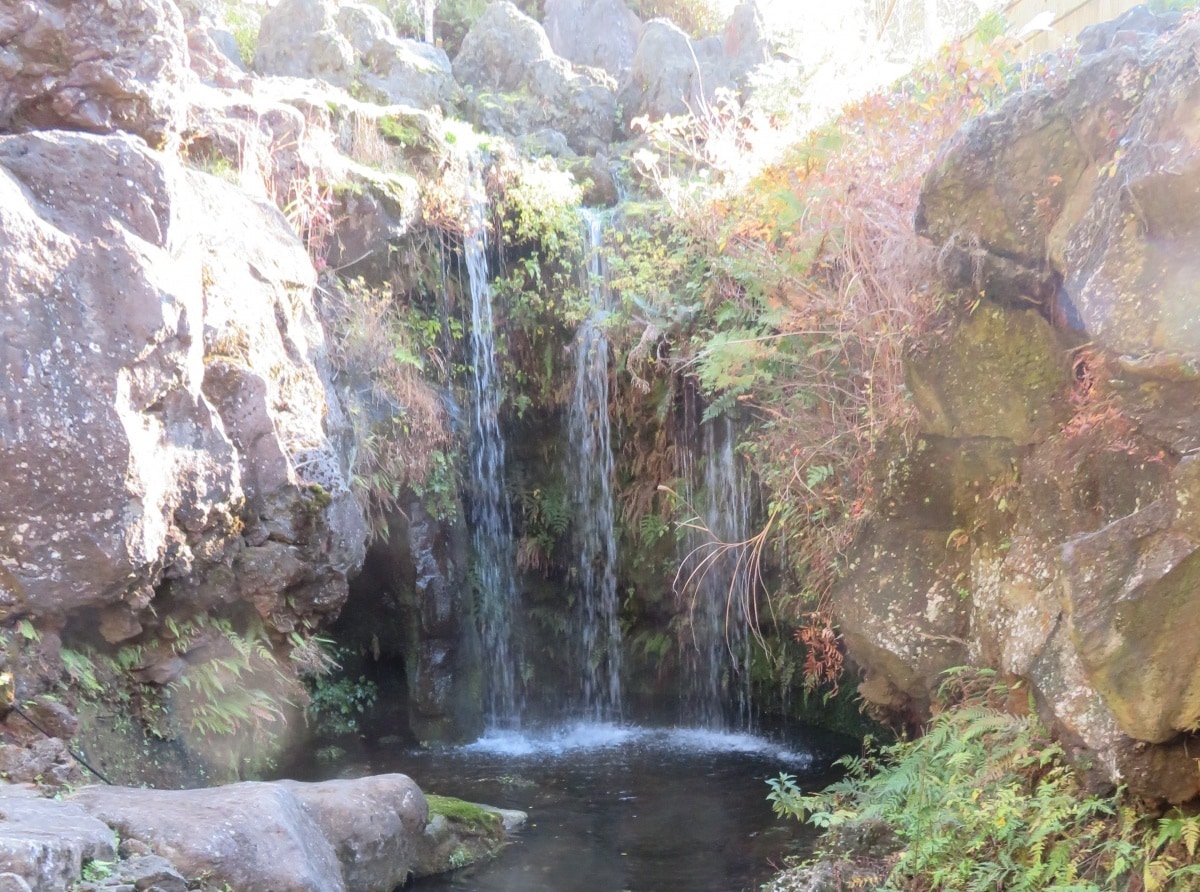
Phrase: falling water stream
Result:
[715,581]
[590,476]
[491,522]
[611,806]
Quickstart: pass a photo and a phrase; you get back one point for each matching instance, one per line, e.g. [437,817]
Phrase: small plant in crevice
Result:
[545,515]
[223,690]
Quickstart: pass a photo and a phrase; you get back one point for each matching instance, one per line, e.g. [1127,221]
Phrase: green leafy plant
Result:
[985,800]
[380,348]
[95,871]
[336,702]
[81,670]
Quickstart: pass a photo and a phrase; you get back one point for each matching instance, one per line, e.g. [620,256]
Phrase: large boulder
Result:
[997,373]
[249,836]
[519,85]
[166,389]
[1090,186]
[408,72]
[45,842]
[375,825]
[300,38]
[1131,592]
[279,837]
[672,74]
[600,33]
[98,67]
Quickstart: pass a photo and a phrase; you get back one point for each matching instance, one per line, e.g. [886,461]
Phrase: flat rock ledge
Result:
[366,834]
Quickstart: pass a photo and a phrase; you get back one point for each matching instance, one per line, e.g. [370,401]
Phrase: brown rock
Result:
[373,823]
[121,273]
[100,67]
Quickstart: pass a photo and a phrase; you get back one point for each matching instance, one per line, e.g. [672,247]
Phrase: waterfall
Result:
[491,521]
[716,648]
[590,476]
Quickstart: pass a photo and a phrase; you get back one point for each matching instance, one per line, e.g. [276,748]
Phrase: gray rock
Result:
[671,73]
[1133,25]
[599,33]
[98,67]
[300,38]
[507,53]
[151,873]
[409,72]
[546,142]
[227,45]
[375,213]
[364,26]
[11,882]
[45,842]
[279,837]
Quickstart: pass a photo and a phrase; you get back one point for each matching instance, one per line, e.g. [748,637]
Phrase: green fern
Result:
[985,801]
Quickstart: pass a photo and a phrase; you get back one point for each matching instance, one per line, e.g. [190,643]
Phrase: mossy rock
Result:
[474,818]
[997,373]
[460,833]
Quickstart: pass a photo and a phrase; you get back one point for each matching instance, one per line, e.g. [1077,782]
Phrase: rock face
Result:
[506,52]
[98,67]
[409,72]
[285,837]
[1072,543]
[164,392]
[409,604]
[600,33]
[353,43]
[374,825]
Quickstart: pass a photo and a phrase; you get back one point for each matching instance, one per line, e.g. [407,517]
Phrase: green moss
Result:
[474,818]
[316,499]
[394,129]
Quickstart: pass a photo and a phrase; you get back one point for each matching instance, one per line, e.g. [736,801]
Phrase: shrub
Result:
[799,286]
[986,800]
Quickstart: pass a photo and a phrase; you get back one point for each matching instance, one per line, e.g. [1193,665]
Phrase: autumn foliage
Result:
[815,285]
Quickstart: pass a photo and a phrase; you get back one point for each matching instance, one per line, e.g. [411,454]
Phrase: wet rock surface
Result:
[285,836]
[45,843]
